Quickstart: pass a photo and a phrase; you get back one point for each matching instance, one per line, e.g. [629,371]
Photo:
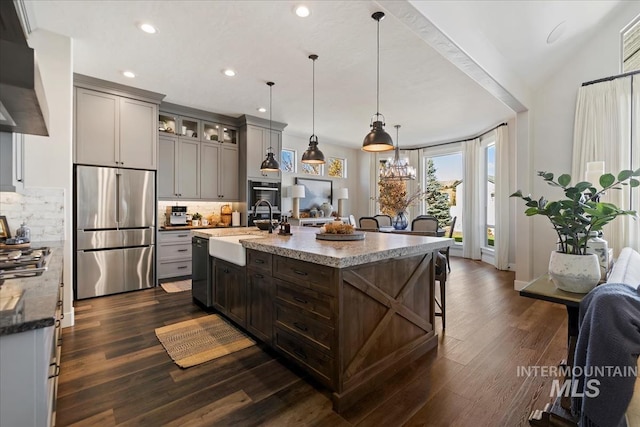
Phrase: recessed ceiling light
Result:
[229,72]
[128,74]
[148,28]
[557,32]
[303,11]
[262,109]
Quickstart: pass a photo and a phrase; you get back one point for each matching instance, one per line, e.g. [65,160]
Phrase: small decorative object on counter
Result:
[597,245]
[326,209]
[235,219]
[195,219]
[285,227]
[313,213]
[23,233]
[226,214]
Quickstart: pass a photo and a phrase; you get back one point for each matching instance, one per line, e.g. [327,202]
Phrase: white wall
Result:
[48,159]
[330,149]
[553,117]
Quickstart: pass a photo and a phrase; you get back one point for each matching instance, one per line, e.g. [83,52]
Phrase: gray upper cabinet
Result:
[258,142]
[112,130]
[219,173]
[178,168]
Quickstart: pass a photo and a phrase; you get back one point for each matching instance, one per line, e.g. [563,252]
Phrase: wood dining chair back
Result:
[446,250]
[383,220]
[425,223]
[441,277]
[368,223]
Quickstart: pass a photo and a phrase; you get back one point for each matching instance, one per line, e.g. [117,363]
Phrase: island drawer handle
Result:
[183,250]
[302,273]
[304,301]
[300,353]
[182,267]
[259,261]
[259,276]
[300,326]
[226,270]
[57,371]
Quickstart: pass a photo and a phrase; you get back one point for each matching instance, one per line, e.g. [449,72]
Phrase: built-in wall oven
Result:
[263,190]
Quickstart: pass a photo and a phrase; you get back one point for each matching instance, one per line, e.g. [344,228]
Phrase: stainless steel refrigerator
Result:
[115,216]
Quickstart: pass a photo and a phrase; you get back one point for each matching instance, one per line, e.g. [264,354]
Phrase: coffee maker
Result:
[176,215]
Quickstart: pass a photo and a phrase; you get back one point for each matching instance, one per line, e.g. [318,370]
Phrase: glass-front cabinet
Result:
[184,127]
[220,133]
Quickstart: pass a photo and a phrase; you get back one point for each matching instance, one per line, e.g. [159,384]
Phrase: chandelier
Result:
[397,169]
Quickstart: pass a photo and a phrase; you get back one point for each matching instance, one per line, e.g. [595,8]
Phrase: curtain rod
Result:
[607,79]
[455,142]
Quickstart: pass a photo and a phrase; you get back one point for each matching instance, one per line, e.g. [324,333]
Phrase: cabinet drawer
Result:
[259,260]
[179,250]
[313,276]
[318,364]
[174,237]
[174,268]
[294,321]
[307,299]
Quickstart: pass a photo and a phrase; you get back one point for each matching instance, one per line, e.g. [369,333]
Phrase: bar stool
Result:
[441,277]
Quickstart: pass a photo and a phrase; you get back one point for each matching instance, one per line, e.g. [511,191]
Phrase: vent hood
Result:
[23,106]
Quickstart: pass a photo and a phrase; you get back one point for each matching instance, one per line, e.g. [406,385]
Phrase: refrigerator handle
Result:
[118,199]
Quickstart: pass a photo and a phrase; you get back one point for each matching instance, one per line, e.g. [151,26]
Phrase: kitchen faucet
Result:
[255,207]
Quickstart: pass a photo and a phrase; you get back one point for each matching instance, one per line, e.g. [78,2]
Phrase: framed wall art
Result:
[336,167]
[288,161]
[312,169]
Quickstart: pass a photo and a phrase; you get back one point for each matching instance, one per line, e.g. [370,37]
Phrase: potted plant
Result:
[573,218]
[195,219]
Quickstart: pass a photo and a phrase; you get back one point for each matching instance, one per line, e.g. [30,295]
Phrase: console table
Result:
[543,288]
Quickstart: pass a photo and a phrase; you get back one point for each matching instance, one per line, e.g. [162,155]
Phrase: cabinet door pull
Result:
[302,300]
[300,326]
[182,267]
[259,276]
[259,261]
[300,353]
[183,250]
[226,270]
[301,273]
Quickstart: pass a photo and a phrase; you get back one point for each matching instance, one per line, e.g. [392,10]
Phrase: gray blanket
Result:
[609,338]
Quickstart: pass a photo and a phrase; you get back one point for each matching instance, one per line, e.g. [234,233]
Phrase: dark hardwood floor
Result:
[115,372]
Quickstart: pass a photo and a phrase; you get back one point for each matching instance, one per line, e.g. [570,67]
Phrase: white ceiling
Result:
[264,40]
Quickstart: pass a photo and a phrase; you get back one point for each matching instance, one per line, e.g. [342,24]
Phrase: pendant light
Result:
[377,139]
[396,169]
[313,155]
[270,164]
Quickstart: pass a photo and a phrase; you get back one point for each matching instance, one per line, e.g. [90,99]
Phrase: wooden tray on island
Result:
[356,235]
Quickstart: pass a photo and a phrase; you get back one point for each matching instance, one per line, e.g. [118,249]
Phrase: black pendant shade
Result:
[270,164]
[313,155]
[377,139]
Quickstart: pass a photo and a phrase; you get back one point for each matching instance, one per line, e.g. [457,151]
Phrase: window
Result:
[489,188]
[631,47]
[442,178]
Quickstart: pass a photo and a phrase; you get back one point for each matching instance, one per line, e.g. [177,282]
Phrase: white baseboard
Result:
[519,284]
[69,318]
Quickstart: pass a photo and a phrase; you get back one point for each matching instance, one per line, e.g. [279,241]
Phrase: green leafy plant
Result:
[196,216]
[581,212]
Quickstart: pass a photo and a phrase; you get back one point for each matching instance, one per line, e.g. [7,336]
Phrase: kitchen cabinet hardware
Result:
[300,353]
[259,261]
[301,273]
[56,372]
[182,267]
[183,235]
[259,276]
[301,300]
[183,250]
[300,326]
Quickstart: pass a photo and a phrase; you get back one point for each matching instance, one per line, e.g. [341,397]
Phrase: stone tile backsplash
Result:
[209,210]
[42,209]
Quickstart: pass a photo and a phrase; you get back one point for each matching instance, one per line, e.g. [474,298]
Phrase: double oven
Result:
[263,190]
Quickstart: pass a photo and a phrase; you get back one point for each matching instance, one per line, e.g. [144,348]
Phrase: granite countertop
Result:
[302,245]
[38,295]
[190,227]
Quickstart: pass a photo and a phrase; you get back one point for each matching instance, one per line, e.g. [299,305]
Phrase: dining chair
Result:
[441,277]
[425,223]
[368,223]
[445,251]
[383,220]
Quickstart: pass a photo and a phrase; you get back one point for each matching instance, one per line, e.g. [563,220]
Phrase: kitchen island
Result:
[350,313]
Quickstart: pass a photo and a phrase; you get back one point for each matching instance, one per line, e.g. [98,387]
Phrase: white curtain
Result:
[634,226]
[472,230]
[502,198]
[602,132]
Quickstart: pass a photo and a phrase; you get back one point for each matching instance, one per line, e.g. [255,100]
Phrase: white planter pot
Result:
[574,273]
